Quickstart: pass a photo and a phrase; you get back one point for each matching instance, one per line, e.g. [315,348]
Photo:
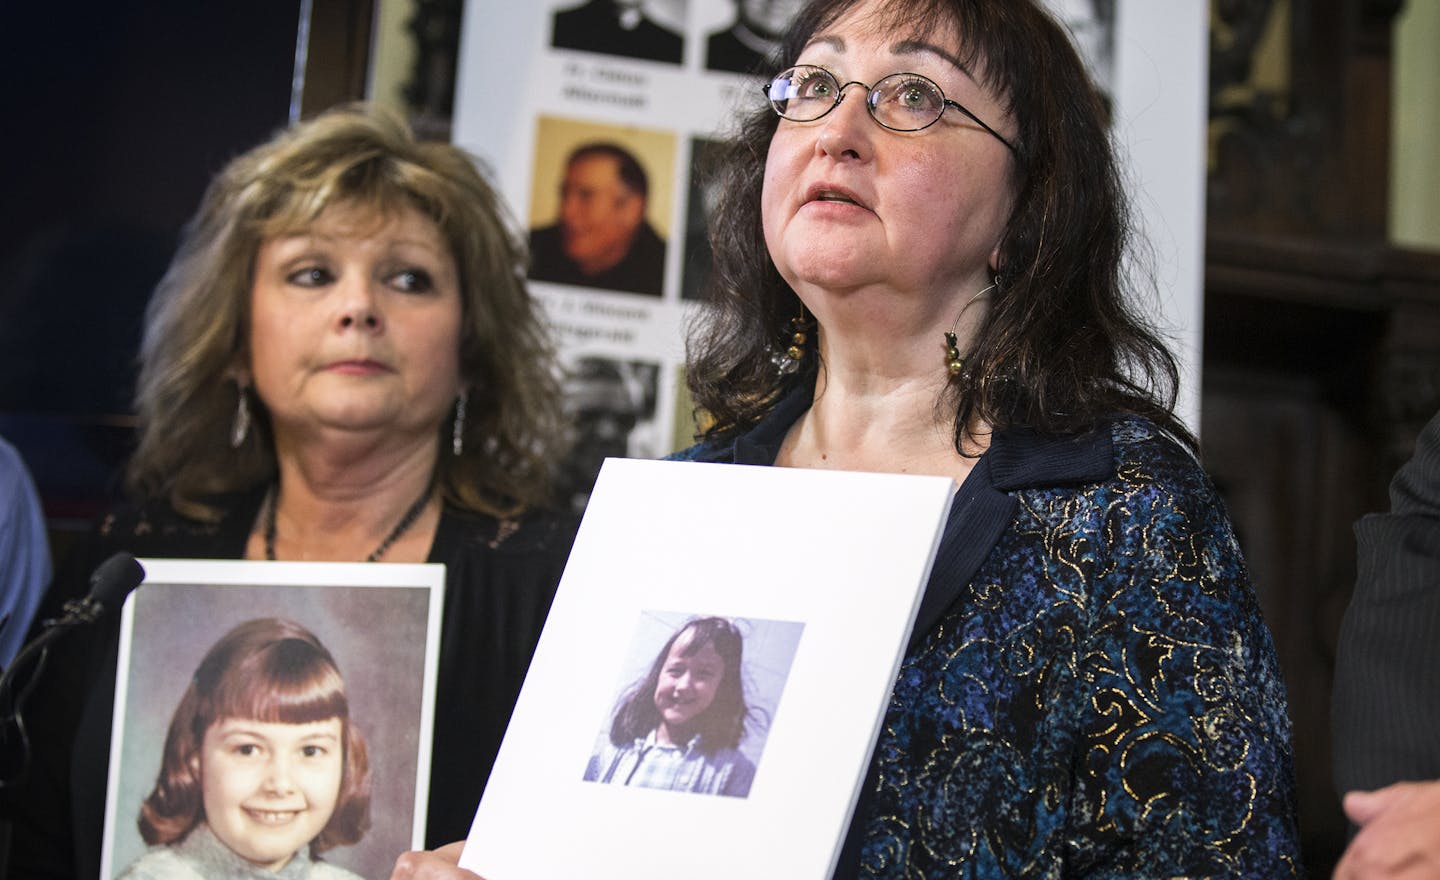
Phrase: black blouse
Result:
[500,577]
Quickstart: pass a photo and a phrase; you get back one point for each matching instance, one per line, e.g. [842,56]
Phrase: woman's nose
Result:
[846,132]
[359,307]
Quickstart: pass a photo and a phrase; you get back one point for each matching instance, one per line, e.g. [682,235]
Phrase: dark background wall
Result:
[117,114]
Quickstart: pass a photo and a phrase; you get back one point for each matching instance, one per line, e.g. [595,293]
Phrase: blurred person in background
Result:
[1387,680]
[24,552]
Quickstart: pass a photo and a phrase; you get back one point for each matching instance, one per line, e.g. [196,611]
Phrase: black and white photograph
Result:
[751,40]
[612,403]
[643,29]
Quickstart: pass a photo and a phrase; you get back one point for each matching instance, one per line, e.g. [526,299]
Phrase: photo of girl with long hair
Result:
[263,769]
[680,726]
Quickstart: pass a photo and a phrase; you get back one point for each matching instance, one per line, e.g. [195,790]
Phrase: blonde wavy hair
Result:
[196,323]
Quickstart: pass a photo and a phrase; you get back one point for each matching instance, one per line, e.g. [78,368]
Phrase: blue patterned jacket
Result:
[1090,689]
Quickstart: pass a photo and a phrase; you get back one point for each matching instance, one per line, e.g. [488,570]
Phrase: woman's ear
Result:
[239,373]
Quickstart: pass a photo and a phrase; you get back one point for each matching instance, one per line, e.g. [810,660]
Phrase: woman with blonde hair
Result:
[342,363]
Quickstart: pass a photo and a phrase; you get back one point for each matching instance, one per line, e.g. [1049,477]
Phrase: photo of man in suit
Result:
[748,42]
[616,27]
[602,237]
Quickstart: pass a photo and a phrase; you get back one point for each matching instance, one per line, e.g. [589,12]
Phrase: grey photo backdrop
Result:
[377,636]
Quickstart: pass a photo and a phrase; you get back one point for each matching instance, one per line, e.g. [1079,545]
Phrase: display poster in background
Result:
[658,82]
[289,640]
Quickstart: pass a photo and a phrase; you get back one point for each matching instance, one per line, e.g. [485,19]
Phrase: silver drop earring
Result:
[457,430]
[240,428]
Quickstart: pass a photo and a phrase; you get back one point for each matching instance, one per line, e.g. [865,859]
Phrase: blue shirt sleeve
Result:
[24,552]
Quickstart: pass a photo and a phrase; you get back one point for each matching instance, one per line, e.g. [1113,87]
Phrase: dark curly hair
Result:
[1063,346]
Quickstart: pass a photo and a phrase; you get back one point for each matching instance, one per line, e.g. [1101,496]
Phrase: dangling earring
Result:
[954,363]
[240,428]
[457,430]
[788,361]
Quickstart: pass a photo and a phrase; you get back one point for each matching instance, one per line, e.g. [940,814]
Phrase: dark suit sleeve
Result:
[1387,673]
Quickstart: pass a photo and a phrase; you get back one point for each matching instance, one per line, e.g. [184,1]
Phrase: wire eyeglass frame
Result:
[784,88]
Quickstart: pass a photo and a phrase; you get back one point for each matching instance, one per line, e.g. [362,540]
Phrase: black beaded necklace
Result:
[406,521]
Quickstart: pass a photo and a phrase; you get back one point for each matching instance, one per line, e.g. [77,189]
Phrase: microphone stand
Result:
[115,578]
[74,613]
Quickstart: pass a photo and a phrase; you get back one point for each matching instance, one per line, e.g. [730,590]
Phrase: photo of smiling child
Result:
[680,726]
[263,769]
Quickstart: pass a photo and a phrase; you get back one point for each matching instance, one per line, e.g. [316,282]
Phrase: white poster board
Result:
[820,571]
[521,104]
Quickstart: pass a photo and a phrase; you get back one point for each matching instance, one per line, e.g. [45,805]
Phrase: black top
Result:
[641,271]
[500,577]
[598,26]
[1089,689]
[724,50]
[1387,665]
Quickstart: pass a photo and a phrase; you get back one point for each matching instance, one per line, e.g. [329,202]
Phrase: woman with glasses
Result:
[918,269]
[918,266]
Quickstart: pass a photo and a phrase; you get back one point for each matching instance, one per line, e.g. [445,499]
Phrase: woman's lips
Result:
[827,193]
[358,367]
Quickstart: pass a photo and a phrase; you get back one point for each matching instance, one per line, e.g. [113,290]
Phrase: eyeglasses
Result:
[899,102]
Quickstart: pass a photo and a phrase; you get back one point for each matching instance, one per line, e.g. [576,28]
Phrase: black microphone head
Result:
[114,579]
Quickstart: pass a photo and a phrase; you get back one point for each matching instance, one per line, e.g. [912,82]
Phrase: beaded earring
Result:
[954,363]
[788,361]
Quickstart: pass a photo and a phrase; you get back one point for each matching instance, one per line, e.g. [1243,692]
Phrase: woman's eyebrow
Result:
[831,41]
[903,47]
[421,244]
[306,235]
[914,47]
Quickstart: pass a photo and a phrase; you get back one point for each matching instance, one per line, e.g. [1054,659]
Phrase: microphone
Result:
[111,582]
[109,585]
